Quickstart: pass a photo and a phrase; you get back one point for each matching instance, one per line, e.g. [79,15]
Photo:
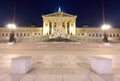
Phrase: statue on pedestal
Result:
[105,39]
[12,37]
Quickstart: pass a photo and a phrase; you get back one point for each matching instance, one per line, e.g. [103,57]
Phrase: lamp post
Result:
[105,27]
[12,27]
[33,34]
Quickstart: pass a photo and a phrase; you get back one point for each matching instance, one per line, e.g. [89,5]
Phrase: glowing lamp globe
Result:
[11,26]
[106,26]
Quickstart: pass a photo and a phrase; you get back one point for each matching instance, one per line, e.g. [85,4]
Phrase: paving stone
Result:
[28,78]
[42,78]
[96,78]
[3,76]
[59,65]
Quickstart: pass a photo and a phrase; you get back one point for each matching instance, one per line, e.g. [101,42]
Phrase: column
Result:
[44,32]
[52,31]
[70,24]
[74,28]
[66,27]
[46,28]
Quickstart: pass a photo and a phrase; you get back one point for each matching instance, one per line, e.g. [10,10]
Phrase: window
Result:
[6,34]
[90,35]
[24,34]
[28,34]
[96,35]
[117,35]
[20,34]
[110,35]
[17,34]
[113,35]
[2,34]
[82,34]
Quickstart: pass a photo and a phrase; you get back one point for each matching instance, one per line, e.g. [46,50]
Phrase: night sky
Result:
[88,11]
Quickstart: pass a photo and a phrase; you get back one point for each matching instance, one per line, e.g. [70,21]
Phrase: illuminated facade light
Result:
[106,26]
[11,26]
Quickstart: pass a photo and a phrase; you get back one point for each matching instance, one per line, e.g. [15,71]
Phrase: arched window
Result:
[93,35]
[100,35]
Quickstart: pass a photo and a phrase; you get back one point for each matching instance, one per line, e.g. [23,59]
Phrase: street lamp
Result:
[12,27]
[105,27]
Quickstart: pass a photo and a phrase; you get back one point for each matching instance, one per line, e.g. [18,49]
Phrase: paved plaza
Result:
[59,61]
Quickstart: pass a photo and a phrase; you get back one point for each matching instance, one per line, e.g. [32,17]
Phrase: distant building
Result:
[59,24]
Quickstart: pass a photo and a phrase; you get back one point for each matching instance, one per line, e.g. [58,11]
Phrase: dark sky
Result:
[87,11]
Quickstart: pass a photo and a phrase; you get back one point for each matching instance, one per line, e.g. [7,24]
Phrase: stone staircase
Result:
[85,39]
[32,39]
[77,38]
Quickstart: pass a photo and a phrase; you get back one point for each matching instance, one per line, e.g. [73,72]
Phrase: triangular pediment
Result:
[57,14]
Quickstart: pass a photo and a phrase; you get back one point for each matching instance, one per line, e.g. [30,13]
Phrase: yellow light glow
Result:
[106,26]
[11,26]
[71,29]
[47,29]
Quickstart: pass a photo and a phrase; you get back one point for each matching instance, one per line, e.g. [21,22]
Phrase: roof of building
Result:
[59,13]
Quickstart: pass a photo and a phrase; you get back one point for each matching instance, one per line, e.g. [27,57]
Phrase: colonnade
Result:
[65,26]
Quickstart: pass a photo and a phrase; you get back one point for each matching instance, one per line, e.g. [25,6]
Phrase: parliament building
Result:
[59,24]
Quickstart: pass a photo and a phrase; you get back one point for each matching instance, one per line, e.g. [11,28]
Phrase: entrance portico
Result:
[59,23]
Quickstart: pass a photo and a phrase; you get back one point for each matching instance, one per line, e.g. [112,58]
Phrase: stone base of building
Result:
[80,39]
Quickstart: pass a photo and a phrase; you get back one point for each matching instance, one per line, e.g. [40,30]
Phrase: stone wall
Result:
[30,31]
[21,31]
[97,32]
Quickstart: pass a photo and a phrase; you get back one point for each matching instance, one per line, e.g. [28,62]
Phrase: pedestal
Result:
[22,64]
[101,65]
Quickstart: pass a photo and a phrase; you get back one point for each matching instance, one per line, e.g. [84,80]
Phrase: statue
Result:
[105,39]
[12,37]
